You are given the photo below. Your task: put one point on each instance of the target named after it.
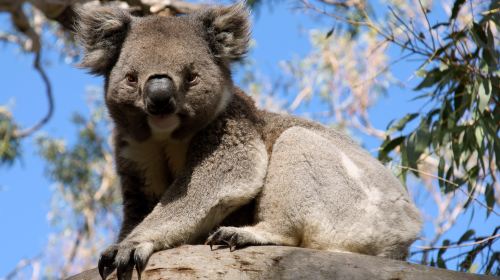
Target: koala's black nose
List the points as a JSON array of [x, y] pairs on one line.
[[159, 95]]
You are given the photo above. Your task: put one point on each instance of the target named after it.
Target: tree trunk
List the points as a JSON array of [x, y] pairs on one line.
[[274, 262]]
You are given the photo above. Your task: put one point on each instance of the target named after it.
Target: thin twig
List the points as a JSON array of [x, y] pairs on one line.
[[408, 28], [308, 5], [453, 183], [383, 70], [12, 38], [459, 245], [428, 24], [369, 24]]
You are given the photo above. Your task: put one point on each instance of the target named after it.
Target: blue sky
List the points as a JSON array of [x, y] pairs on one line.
[[24, 189]]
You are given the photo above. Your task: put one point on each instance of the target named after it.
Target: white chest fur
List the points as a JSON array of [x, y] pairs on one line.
[[157, 159]]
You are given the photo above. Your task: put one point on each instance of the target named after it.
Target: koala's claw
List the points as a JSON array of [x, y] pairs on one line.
[[124, 257], [216, 239], [230, 236], [106, 263], [125, 272], [124, 261]]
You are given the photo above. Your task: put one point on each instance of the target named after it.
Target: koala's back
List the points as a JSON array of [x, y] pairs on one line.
[[331, 193]]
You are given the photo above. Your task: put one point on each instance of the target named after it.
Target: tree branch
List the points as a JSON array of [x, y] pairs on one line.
[[48, 92], [460, 245], [276, 262]]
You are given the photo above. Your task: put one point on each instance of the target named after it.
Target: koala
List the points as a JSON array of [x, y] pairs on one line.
[[198, 162]]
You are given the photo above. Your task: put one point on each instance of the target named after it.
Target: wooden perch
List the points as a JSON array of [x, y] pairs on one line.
[[274, 262]]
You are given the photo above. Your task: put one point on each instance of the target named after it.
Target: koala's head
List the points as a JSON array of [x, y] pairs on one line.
[[164, 75]]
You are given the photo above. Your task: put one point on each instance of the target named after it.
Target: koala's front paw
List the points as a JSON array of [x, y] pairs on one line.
[[124, 256]]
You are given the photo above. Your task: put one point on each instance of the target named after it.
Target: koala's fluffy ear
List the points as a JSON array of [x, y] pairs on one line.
[[228, 30], [101, 30]]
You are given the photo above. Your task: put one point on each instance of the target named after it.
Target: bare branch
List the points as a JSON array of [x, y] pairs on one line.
[[74, 250], [21, 265], [48, 92], [12, 38], [429, 28]]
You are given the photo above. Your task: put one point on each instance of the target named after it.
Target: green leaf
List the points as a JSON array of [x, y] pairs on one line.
[[420, 73], [491, 46], [479, 134], [455, 147], [484, 95], [400, 125], [456, 8], [390, 145], [430, 79], [441, 166], [458, 97], [495, 257], [469, 259], [422, 96], [440, 261], [473, 173], [431, 114], [439, 24], [422, 137], [479, 35], [466, 236], [489, 194], [442, 66], [449, 178], [329, 33], [411, 152], [496, 146]]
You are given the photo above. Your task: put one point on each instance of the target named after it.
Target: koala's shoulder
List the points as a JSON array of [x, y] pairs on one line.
[[243, 106]]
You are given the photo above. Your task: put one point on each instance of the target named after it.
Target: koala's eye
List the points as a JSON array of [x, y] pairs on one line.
[[192, 78], [131, 79]]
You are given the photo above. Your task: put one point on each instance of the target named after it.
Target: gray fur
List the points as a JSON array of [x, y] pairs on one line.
[[228, 30], [101, 30], [217, 164]]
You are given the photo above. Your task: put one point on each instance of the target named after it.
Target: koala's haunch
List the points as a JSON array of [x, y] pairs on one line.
[[195, 156]]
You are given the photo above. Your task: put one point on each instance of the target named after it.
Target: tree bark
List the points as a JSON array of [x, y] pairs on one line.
[[275, 262]]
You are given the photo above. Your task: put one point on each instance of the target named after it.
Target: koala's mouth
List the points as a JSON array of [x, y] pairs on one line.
[[163, 122]]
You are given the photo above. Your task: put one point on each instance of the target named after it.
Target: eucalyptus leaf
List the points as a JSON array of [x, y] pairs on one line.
[[483, 95], [489, 194], [400, 125], [466, 236], [456, 8], [431, 78]]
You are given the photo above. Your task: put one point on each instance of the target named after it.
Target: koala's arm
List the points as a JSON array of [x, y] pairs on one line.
[[223, 173], [220, 182], [135, 203]]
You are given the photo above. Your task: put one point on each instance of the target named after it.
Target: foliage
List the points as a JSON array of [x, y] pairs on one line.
[[9, 143], [454, 137], [459, 126], [462, 86], [86, 196]]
